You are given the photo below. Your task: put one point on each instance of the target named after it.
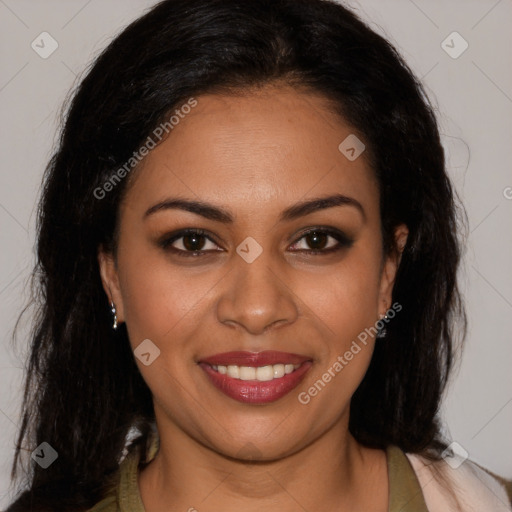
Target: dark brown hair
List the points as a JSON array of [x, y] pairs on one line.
[[83, 389]]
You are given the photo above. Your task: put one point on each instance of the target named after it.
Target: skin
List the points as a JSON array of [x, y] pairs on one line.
[[254, 155]]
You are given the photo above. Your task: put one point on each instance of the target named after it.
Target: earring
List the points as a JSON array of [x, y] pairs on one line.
[[113, 311], [381, 333]]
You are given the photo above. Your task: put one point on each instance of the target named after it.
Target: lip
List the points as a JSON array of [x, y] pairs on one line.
[[255, 391], [242, 358]]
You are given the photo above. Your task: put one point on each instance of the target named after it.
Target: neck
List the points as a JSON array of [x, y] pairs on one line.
[[334, 471]]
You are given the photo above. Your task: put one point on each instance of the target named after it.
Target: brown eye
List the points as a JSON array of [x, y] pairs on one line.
[[189, 242], [316, 239], [193, 242], [321, 241]]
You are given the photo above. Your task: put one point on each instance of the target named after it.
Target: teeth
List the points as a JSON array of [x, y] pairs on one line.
[[261, 373], [278, 371], [234, 371]]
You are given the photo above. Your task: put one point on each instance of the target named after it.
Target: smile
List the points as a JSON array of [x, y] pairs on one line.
[[260, 373], [252, 382]]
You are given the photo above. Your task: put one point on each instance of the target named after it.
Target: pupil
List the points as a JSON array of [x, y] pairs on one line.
[[191, 242], [316, 240]]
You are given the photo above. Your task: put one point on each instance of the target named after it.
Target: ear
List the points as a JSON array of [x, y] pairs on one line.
[[110, 280], [390, 268]]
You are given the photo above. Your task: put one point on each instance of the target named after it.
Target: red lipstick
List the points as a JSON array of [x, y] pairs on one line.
[[255, 391]]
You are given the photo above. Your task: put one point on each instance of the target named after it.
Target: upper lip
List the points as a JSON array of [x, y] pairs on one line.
[[241, 358]]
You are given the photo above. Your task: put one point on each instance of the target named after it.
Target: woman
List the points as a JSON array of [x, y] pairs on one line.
[[247, 256]]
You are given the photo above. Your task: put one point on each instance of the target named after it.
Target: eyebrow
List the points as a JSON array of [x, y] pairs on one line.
[[212, 212]]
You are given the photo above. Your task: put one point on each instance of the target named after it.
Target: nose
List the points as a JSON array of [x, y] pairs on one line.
[[256, 297]]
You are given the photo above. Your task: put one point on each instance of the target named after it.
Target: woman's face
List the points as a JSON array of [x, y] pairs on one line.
[[253, 281]]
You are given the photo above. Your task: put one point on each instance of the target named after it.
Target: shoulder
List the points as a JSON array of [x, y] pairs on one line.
[[463, 485], [124, 494], [108, 504], [109, 501], [27, 503]]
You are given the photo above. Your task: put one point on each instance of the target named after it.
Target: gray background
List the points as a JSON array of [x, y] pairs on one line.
[[473, 94]]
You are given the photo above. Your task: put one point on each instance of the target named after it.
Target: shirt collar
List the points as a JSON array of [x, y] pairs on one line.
[[405, 494]]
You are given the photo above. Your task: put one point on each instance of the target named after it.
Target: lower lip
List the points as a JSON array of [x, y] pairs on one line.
[[254, 391]]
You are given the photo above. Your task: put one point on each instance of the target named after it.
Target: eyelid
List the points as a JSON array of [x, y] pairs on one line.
[[166, 241], [343, 241], [324, 229], [342, 238]]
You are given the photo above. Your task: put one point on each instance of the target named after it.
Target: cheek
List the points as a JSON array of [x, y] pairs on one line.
[[346, 296], [346, 302], [158, 296]]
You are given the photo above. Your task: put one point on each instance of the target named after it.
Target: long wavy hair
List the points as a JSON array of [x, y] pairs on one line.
[[83, 390]]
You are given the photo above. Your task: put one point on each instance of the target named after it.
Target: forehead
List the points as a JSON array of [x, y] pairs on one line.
[[261, 149]]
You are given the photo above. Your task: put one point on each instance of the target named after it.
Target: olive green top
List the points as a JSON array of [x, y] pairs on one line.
[[405, 493]]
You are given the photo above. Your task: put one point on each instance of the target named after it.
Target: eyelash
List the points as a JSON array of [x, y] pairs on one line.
[[343, 242]]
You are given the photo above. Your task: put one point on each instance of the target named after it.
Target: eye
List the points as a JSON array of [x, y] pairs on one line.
[[189, 242], [321, 241], [195, 242]]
